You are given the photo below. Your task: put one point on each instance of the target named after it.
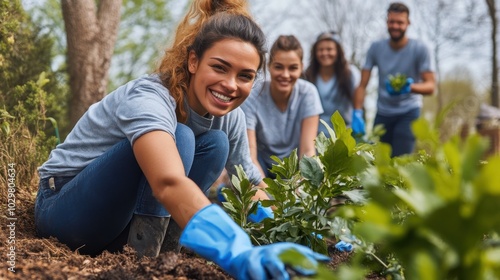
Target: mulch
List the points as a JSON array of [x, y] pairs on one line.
[[40, 258]]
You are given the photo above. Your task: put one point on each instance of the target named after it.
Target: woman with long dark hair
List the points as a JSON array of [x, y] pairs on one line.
[[333, 76]]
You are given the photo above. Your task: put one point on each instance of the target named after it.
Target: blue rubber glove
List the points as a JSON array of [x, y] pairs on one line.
[[358, 123], [261, 214], [317, 235], [212, 234], [343, 246], [220, 196], [404, 90]]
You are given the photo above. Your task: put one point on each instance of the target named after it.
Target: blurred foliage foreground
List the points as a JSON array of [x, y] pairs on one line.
[[429, 215]]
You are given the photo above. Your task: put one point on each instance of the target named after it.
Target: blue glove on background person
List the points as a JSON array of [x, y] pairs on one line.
[[404, 90], [212, 234], [220, 196], [358, 123], [343, 246], [261, 214]]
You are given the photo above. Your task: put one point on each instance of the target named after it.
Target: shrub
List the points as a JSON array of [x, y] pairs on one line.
[[26, 137], [429, 215]]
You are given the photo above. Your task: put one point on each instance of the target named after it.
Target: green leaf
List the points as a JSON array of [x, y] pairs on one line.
[[486, 217], [377, 224], [474, 151], [333, 136], [356, 196], [311, 170], [42, 80], [420, 196], [294, 258], [6, 128], [423, 266], [492, 256], [338, 124], [322, 143], [346, 272], [454, 229], [427, 137], [489, 177]]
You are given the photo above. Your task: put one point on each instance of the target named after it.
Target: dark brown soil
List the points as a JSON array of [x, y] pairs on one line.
[[37, 258]]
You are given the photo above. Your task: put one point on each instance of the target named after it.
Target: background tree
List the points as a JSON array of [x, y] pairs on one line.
[[91, 32], [461, 102], [492, 12], [25, 53], [450, 26], [143, 32], [145, 29]]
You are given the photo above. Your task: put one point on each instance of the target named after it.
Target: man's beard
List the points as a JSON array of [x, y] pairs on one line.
[[397, 38]]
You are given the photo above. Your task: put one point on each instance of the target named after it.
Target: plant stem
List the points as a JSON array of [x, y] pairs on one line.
[[378, 259]]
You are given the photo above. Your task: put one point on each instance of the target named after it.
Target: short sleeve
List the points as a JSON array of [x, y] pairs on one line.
[[370, 58], [248, 108], [355, 77], [312, 102], [424, 61], [146, 108], [239, 151]]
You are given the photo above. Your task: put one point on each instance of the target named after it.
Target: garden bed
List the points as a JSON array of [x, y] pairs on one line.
[[37, 258]]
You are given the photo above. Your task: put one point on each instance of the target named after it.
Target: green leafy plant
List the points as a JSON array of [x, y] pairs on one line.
[[449, 196], [397, 81], [304, 191], [430, 215], [22, 138]]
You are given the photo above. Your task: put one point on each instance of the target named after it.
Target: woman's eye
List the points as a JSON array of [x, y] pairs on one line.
[[247, 77], [218, 68]]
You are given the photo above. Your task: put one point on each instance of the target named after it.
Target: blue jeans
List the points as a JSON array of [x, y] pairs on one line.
[[398, 131], [92, 209]]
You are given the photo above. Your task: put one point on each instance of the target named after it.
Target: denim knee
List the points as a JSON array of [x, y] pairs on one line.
[[185, 142], [216, 143], [212, 150]]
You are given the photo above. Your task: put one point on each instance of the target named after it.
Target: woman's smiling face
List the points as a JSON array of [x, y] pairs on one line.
[[285, 68], [326, 53], [223, 77]]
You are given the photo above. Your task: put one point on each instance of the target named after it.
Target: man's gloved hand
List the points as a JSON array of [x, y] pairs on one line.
[[212, 234], [261, 214], [358, 123], [405, 89]]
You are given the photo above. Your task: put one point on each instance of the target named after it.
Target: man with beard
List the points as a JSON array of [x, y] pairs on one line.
[[398, 105]]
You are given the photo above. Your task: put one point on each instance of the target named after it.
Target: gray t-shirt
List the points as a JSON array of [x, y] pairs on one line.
[[412, 60], [277, 132], [333, 100], [138, 107]]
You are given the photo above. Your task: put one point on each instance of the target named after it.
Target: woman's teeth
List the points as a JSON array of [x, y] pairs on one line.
[[221, 97]]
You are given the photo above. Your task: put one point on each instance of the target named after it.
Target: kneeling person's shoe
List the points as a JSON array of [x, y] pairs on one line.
[[146, 234]]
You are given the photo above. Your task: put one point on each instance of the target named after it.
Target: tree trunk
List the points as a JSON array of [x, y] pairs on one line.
[[494, 71], [91, 34]]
